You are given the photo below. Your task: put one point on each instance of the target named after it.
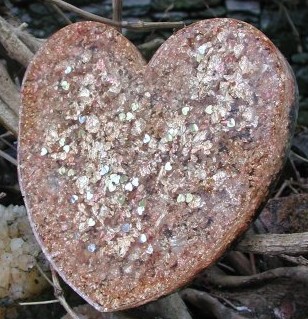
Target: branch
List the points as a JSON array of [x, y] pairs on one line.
[[15, 48], [275, 244], [8, 118], [139, 25], [8, 90], [169, 307], [117, 12], [29, 40], [205, 301], [216, 277], [59, 294]]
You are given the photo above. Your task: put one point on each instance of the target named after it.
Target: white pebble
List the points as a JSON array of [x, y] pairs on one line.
[[180, 198], [62, 141], [82, 119], [91, 248], [44, 151], [111, 187], [129, 187], [189, 197], [16, 243], [104, 170], [74, 199], [135, 181], [168, 166], [65, 85], [194, 127], [146, 139], [91, 222], [135, 106], [125, 228], [185, 110], [143, 238], [209, 109], [202, 48], [115, 178], [89, 195], [66, 148], [150, 250], [68, 70], [129, 116], [140, 210], [122, 117], [231, 122]]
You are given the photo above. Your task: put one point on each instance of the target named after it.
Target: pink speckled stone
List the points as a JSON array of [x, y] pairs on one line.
[[136, 177]]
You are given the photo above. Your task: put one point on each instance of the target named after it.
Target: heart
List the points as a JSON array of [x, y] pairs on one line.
[[136, 177]]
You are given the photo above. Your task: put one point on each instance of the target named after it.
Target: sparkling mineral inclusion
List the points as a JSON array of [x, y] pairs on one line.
[[136, 177]]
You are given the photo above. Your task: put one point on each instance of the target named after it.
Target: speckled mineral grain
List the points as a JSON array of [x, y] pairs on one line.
[[135, 176]]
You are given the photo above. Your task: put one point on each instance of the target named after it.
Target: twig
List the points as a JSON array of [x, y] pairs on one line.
[[61, 14], [285, 184], [43, 274], [8, 118], [297, 174], [216, 277], [59, 294], [298, 260], [117, 12], [299, 157], [239, 262], [8, 90], [292, 25], [169, 307], [15, 48], [203, 300], [8, 157], [138, 25], [275, 244], [34, 303], [29, 40]]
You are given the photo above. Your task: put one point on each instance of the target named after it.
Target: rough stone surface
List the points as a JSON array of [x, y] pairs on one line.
[[137, 177], [19, 252]]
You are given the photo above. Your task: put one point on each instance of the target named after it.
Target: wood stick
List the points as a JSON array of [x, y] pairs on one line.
[[205, 301], [216, 277], [275, 244], [117, 12], [8, 90], [15, 48], [138, 25], [28, 39], [8, 118]]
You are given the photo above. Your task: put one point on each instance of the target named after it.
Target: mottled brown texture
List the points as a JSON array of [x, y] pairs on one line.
[[285, 215], [137, 177]]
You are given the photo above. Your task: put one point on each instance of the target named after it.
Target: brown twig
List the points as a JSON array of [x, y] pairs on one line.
[[216, 277], [298, 260], [15, 48], [138, 25], [169, 307], [8, 157], [8, 118], [117, 12], [35, 303], [8, 90], [275, 244], [59, 294], [203, 300], [29, 40], [61, 14]]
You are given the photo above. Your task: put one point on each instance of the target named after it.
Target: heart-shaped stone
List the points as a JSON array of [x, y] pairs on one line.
[[136, 177]]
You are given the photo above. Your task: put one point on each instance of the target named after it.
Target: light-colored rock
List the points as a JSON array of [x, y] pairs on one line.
[[19, 277]]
